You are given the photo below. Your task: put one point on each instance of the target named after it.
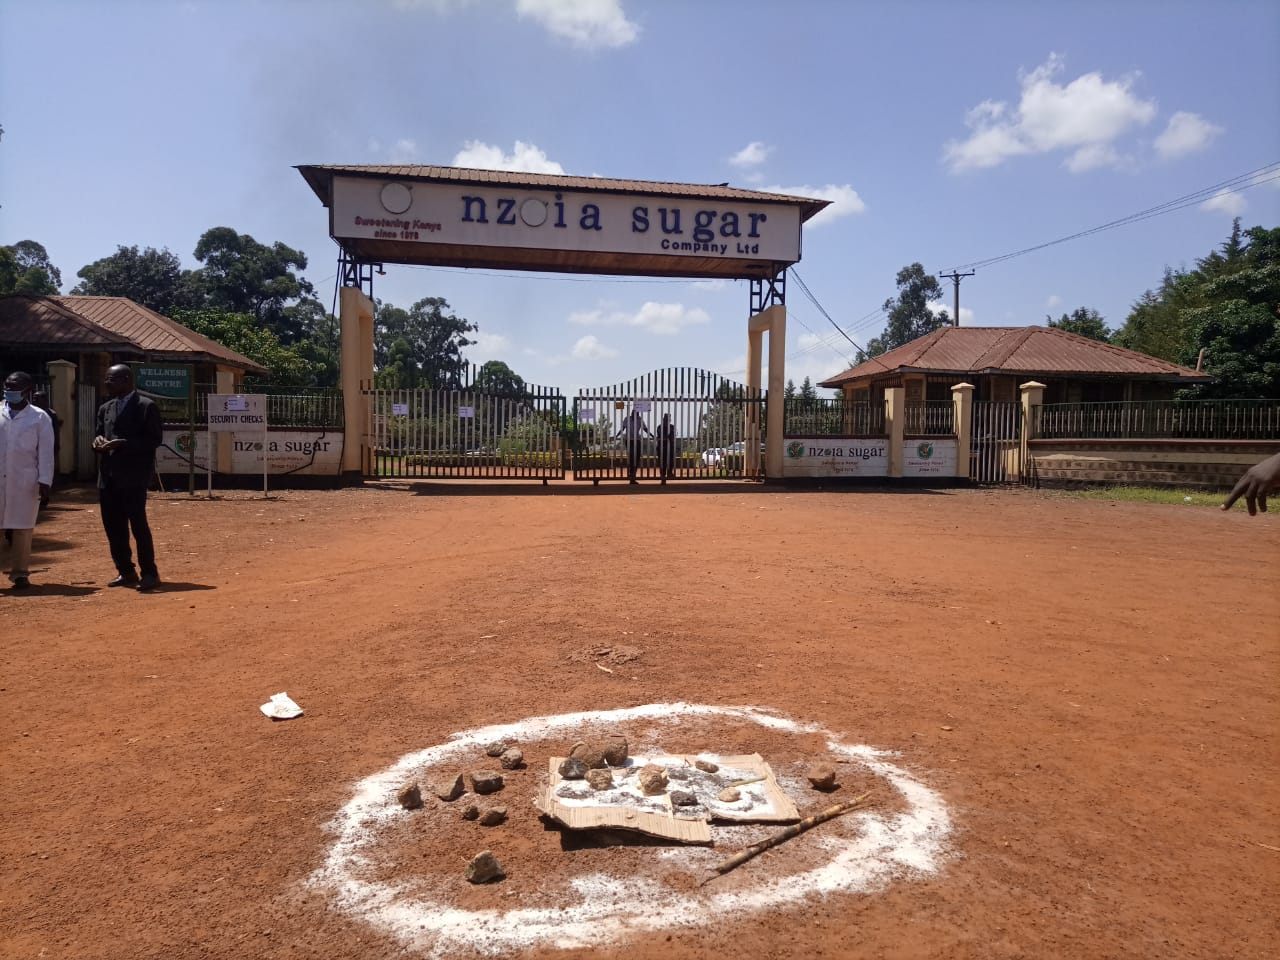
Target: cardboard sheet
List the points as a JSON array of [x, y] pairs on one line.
[[624, 807]]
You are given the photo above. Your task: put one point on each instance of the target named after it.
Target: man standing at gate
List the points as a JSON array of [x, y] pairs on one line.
[[632, 428], [26, 470], [666, 448], [129, 432]]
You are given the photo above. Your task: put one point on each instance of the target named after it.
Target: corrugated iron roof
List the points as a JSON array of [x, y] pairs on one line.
[[155, 333], [1022, 350], [42, 323], [319, 176]]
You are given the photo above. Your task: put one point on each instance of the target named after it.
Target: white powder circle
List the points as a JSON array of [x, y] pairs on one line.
[[605, 907]]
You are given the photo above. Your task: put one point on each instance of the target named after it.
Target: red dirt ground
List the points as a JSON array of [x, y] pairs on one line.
[[1109, 674]]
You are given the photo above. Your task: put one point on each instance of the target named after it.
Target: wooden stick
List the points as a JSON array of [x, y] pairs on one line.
[[808, 823]]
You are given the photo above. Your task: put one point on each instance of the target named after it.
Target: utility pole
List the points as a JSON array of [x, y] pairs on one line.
[[955, 278]]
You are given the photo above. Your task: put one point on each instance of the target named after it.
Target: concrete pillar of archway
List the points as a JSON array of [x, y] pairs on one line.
[[772, 320], [355, 319], [895, 422]]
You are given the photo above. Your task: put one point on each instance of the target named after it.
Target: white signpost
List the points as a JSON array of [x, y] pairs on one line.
[[238, 413]]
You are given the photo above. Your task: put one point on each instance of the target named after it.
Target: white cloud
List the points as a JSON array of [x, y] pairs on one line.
[[1053, 301], [1085, 116], [844, 201], [404, 151], [659, 318], [966, 315], [751, 155], [589, 24], [491, 345], [1093, 156], [1229, 202], [710, 286], [1186, 133], [589, 348], [524, 158]]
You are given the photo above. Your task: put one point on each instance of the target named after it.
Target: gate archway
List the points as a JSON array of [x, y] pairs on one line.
[[715, 428]]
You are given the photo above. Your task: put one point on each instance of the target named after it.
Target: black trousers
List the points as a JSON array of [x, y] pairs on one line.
[[122, 509]]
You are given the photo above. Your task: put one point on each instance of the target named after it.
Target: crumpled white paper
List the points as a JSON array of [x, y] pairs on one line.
[[281, 707]]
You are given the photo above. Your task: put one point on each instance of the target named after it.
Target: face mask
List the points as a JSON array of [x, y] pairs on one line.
[[14, 396]]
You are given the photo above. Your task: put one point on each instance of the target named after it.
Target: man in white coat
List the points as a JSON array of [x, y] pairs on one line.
[[26, 469]]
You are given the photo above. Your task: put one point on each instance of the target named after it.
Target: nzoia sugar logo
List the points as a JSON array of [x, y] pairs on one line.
[[924, 450], [795, 449]]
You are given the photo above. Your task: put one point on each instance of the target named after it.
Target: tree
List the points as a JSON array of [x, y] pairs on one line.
[[1229, 306], [789, 391], [427, 342], [151, 277], [909, 316], [25, 268], [496, 377], [1238, 326], [241, 275], [243, 334], [723, 421], [1083, 321], [808, 391]]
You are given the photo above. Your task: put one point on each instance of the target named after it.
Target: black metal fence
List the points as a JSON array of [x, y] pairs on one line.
[[832, 417], [1160, 419], [471, 431], [714, 428], [930, 419], [319, 408]]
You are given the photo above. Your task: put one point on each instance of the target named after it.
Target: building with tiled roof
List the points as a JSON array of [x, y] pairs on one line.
[[996, 360]]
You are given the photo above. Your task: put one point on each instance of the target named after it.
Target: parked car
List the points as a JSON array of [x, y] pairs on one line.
[[712, 456]]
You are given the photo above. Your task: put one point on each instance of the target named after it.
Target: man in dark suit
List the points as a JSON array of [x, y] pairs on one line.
[[129, 432]]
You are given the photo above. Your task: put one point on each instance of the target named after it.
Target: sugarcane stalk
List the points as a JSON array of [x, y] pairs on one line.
[[808, 823]]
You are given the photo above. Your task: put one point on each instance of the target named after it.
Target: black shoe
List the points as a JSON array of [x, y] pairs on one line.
[[149, 581], [124, 580], [21, 583]]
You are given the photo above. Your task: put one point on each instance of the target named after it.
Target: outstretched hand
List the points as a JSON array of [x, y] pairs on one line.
[[1258, 481]]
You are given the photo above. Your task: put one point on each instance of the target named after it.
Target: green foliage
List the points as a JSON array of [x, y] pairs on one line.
[[242, 333], [909, 315], [421, 346], [241, 275], [808, 391], [1229, 306], [496, 377], [1084, 322], [151, 277], [25, 268]]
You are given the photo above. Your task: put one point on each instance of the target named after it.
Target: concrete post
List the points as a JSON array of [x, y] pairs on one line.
[[62, 398], [355, 318], [895, 421], [224, 381], [962, 403], [755, 354], [1032, 397], [773, 320]]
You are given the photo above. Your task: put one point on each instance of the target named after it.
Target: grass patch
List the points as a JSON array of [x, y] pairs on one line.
[[1187, 497]]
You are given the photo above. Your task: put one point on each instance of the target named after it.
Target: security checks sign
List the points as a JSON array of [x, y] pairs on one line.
[[479, 215], [238, 413]]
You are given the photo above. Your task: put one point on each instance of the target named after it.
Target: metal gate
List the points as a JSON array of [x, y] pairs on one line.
[[475, 429], [679, 423], [86, 423], [995, 452]]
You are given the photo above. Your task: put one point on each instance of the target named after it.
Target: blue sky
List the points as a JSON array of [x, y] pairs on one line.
[[946, 133]]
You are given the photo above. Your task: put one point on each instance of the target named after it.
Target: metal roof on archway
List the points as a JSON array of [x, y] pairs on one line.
[[452, 216]]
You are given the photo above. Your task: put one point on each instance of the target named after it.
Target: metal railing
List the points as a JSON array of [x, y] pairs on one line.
[[287, 406], [832, 417], [935, 418], [1160, 419]]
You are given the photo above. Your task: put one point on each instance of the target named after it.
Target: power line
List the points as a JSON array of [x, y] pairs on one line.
[[1232, 185], [814, 300]]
